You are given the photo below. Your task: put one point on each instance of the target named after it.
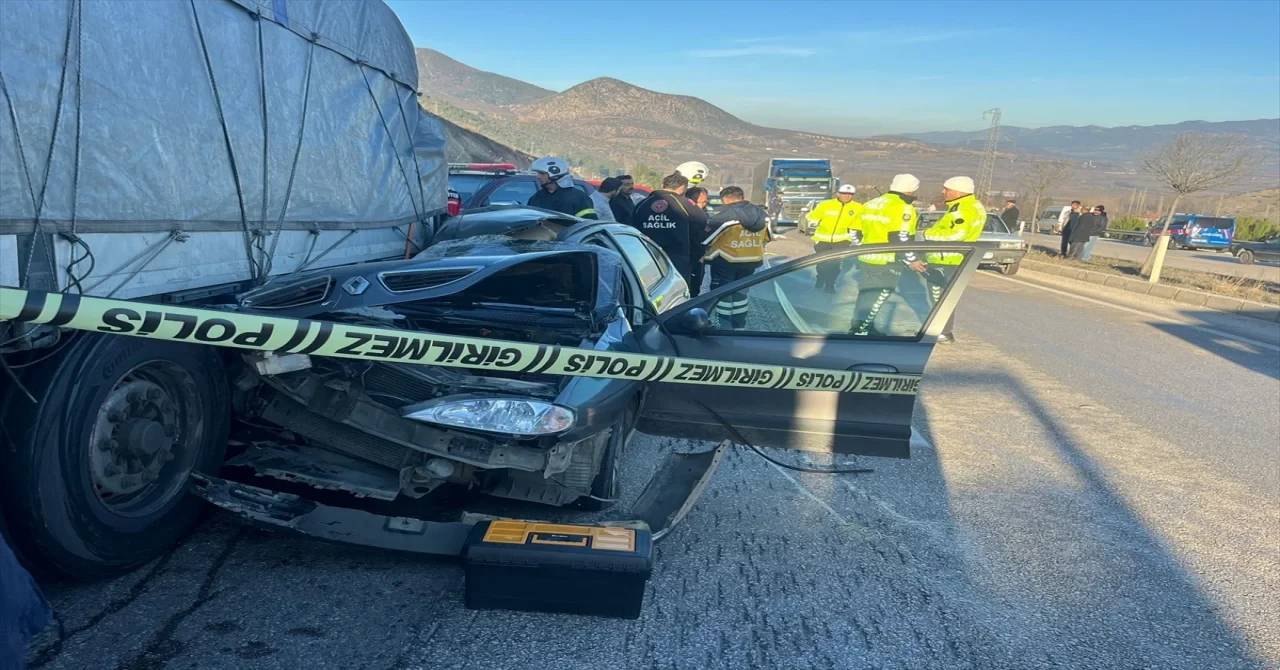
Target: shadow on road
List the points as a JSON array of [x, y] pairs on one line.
[[1074, 560], [1246, 355]]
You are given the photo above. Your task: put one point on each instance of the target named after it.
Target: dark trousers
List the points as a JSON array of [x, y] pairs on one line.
[[1066, 238], [935, 293], [876, 283], [732, 307], [829, 271]]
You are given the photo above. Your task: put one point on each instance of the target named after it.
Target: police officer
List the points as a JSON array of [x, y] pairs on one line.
[[963, 221], [888, 219], [735, 249], [675, 224], [831, 220], [558, 192]]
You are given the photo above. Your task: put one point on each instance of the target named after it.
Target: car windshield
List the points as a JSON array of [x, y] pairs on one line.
[[995, 225], [467, 184]]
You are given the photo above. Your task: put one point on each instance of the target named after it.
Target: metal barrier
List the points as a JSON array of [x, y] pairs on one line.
[[1114, 233]]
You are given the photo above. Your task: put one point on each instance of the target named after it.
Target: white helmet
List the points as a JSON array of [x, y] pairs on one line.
[[695, 171], [847, 188], [555, 168]]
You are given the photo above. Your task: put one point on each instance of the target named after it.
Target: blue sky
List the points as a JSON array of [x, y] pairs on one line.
[[855, 68]]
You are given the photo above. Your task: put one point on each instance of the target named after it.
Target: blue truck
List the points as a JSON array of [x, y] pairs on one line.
[[800, 181], [1195, 231]]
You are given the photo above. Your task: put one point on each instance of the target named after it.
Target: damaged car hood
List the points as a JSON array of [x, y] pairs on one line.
[[487, 269]]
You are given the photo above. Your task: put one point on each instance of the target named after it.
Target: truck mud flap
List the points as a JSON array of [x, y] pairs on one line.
[[284, 511], [675, 487]]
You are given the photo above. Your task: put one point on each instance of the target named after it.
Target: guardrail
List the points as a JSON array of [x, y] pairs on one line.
[[1134, 234]]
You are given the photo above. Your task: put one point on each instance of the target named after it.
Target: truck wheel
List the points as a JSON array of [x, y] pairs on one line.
[[1010, 269], [95, 475], [1246, 257]]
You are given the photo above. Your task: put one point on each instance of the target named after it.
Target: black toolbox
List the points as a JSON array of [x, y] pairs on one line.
[[543, 567]]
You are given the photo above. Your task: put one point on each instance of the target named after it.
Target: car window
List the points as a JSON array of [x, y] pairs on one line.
[[868, 299], [467, 185], [642, 259], [514, 190], [995, 225]]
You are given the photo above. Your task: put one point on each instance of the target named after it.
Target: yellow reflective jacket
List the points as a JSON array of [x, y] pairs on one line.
[[833, 219], [886, 219], [964, 222]]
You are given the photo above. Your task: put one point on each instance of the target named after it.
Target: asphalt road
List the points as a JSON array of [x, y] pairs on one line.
[[1217, 262], [1094, 488]]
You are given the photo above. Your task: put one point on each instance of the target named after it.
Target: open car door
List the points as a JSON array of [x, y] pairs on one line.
[[881, 317]]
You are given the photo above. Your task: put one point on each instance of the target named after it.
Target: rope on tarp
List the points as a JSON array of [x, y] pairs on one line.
[[226, 138], [74, 280], [391, 138], [151, 253], [417, 167], [297, 155], [264, 261]]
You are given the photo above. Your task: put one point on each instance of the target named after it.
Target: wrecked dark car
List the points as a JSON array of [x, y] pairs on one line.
[[383, 430]]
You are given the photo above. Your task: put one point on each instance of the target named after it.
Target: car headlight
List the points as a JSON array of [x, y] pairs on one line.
[[1010, 245], [511, 416]]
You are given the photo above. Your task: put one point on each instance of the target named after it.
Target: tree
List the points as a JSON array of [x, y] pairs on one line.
[[1193, 162], [646, 176], [1041, 176]]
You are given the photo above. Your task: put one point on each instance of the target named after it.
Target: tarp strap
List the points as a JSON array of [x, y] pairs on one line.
[[297, 154], [391, 138], [226, 138], [265, 262], [154, 251]]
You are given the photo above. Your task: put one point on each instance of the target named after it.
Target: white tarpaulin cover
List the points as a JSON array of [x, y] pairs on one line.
[[240, 116]]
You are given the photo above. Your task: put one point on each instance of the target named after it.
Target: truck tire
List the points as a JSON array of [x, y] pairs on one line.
[[93, 478]]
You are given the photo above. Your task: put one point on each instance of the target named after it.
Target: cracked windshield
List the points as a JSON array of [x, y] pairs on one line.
[[401, 335]]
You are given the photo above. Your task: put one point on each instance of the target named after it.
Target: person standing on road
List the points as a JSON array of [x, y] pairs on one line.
[[699, 197], [1100, 224], [621, 204], [888, 219], [674, 224], [1080, 231], [831, 221], [1010, 215], [735, 249], [1067, 220], [963, 221], [558, 192], [603, 196]]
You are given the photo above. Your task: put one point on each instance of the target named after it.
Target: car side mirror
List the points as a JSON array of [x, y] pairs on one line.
[[695, 322]]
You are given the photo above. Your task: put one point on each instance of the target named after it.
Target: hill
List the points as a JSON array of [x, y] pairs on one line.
[[439, 75], [1114, 145], [1264, 203], [465, 146]]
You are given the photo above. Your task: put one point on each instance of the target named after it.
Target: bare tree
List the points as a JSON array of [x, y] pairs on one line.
[[1193, 162], [1041, 176]]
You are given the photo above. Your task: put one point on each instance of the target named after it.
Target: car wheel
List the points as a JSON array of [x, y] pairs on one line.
[[605, 487], [1010, 269], [95, 475], [1246, 257]]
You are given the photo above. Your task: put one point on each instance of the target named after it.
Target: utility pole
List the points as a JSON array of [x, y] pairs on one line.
[[987, 169]]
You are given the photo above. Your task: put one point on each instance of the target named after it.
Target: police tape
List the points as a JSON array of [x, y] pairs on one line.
[[341, 340]]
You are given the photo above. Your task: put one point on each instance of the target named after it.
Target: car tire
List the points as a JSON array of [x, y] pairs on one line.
[[1011, 269], [163, 409], [1246, 257], [605, 488]]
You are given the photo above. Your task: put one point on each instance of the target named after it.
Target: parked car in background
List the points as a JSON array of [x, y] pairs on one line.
[[483, 184], [1267, 251], [1047, 222], [1195, 231], [1006, 253]]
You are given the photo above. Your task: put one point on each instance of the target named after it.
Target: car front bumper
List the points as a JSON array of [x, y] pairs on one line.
[[1003, 256]]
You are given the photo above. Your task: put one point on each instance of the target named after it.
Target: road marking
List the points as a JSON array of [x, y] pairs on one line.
[[1131, 310]]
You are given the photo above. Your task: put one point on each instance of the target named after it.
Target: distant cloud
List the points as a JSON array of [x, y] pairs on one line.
[[758, 50], [755, 40], [921, 37]]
